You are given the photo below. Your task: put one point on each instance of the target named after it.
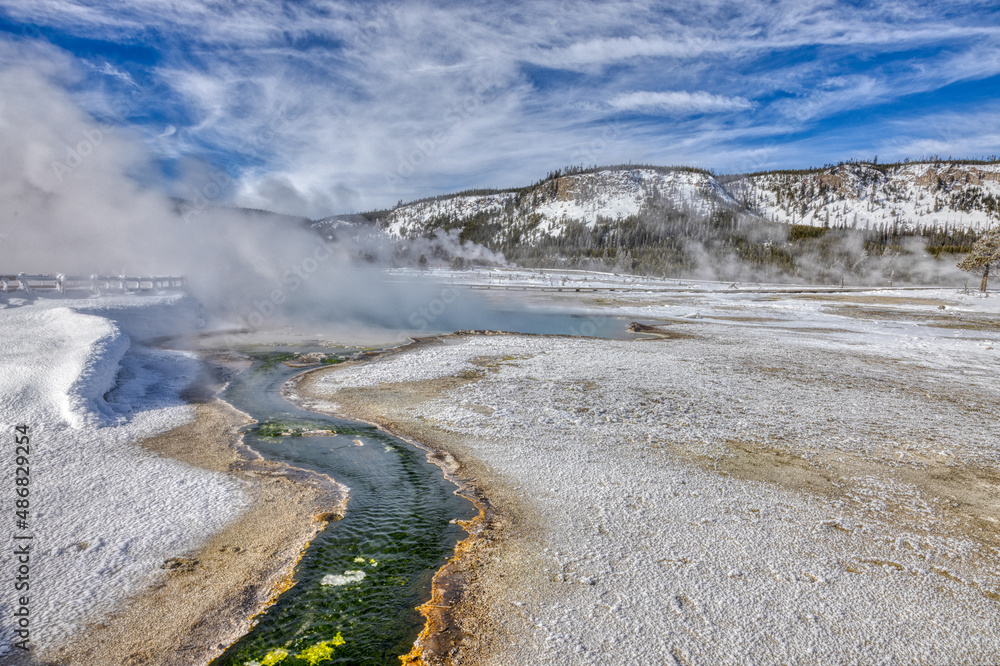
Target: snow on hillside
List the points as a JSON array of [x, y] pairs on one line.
[[928, 195], [410, 219], [857, 195], [104, 513], [609, 193], [615, 194]]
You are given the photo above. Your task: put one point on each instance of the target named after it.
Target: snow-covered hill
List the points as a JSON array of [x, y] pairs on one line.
[[550, 207], [913, 196], [685, 221], [412, 219]]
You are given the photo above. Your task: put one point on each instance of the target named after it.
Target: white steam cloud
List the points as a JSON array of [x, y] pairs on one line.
[[74, 203]]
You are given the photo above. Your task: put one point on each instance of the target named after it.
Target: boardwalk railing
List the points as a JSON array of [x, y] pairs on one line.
[[94, 284]]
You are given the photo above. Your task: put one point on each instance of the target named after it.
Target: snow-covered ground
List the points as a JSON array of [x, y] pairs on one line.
[[568, 280], [793, 480], [513, 277], [104, 514]]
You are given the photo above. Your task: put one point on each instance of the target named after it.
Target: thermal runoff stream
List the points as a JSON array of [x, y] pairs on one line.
[[363, 576], [359, 583]]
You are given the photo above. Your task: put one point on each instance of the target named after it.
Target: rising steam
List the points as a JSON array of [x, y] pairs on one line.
[[73, 203]]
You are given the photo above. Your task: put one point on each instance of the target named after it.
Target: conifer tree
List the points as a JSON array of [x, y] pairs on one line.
[[985, 254]]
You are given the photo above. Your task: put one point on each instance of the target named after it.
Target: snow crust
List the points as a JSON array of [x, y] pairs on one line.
[[104, 513], [649, 556], [95, 373], [437, 362]]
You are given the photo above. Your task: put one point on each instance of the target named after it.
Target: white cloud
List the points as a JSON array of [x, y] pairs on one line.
[[331, 107], [679, 102], [108, 69], [957, 133], [604, 51], [834, 95]]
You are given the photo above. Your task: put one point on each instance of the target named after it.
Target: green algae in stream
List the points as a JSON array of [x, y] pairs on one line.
[[270, 360], [285, 428], [278, 428], [374, 614], [312, 655], [397, 531], [274, 656]]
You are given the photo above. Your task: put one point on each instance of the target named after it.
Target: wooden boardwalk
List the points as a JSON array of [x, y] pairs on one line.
[[93, 284]]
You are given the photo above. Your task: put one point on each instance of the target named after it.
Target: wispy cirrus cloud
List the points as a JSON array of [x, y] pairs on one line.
[[834, 95], [617, 49], [955, 133], [678, 102], [320, 107]]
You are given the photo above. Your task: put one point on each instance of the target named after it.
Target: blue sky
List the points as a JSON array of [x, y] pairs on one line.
[[321, 107]]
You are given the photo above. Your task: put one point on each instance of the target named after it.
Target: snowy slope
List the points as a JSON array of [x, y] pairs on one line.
[[615, 194], [961, 196], [104, 513], [917, 195], [409, 220], [550, 206]]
